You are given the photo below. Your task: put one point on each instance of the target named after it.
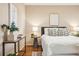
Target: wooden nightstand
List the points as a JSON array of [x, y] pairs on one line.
[[35, 42]]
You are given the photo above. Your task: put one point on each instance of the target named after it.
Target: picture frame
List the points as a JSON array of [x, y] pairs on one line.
[[54, 19]]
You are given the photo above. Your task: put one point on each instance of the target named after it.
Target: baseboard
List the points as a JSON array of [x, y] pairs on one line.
[[32, 45]]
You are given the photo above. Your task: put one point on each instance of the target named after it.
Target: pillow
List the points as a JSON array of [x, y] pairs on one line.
[[63, 32], [58, 32], [53, 32], [46, 31]]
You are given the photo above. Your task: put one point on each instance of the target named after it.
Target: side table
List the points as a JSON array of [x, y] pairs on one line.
[[14, 42]]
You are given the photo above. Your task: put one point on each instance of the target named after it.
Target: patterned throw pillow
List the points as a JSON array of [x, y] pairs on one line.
[[53, 32], [63, 32], [58, 32]]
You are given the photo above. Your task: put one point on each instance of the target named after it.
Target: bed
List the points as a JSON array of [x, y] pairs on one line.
[[58, 43]]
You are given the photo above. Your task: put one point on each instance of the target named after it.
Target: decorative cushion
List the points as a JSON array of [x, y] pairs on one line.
[[58, 32], [53, 32], [63, 32]]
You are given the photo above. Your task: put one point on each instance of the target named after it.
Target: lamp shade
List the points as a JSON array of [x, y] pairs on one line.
[[35, 29], [76, 28]]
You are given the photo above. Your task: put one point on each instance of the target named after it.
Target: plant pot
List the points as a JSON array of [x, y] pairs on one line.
[[15, 35], [11, 36]]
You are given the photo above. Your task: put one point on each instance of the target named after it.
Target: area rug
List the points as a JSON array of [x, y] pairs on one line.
[[36, 53]]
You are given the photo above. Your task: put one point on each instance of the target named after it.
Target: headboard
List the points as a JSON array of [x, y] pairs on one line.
[[42, 28]]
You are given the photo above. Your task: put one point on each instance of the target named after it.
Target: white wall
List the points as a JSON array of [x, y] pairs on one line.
[[3, 20], [38, 15]]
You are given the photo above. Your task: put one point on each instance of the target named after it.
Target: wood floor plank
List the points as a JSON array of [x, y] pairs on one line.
[[29, 50]]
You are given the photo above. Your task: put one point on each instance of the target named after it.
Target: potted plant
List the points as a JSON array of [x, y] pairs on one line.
[[5, 29], [4, 25], [12, 29]]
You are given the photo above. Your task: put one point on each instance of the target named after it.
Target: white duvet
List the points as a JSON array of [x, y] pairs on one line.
[[55, 45]]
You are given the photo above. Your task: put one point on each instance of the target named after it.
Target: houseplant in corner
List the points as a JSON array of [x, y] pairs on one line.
[[12, 29]]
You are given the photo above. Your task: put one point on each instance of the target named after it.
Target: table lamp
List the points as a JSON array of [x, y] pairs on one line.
[[35, 30], [76, 28], [76, 31]]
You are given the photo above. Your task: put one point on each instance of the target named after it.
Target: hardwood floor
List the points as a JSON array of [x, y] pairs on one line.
[[31, 51]]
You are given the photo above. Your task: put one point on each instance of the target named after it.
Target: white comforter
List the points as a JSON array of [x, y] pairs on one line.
[[53, 45]]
